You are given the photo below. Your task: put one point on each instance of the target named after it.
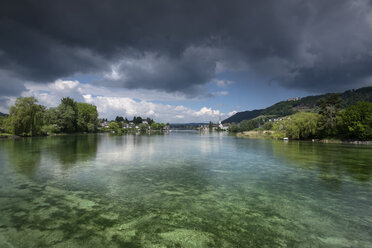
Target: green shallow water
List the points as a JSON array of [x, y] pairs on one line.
[[183, 190]]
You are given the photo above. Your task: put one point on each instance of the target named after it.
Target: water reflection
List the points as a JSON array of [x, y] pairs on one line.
[[331, 161], [27, 155], [71, 149], [24, 154]]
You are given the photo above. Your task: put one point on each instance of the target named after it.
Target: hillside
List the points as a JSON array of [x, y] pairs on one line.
[[246, 115], [2, 114], [284, 108]]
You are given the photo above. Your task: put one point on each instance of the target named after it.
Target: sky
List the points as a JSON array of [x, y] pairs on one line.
[[182, 61]]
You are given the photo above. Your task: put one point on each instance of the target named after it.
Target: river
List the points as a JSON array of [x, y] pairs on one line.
[[183, 189]]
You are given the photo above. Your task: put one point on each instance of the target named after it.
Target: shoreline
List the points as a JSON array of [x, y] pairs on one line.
[[267, 134]]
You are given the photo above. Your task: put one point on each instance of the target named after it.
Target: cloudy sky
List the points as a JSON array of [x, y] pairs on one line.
[[182, 60]]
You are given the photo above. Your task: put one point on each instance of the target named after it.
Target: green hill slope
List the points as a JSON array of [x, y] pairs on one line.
[[284, 108], [245, 115]]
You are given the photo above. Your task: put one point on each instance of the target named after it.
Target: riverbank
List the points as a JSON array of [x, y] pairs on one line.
[[7, 136], [152, 132], [269, 134]]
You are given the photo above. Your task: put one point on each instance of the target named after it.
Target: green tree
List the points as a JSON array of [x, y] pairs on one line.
[[25, 117], [154, 126], [119, 118], [114, 126], [268, 125], [328, 109], [302, 125], [137, 120], [51, 116], [234, 128], [143, 127], [87, 120], [248, 125], [2, 123], [149, 121], [67, 115], [356, 121]]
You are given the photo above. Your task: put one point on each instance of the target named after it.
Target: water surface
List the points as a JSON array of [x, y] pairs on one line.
[[183, 190]]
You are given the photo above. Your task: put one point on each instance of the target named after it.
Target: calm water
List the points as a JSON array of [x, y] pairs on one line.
[[183, 190]]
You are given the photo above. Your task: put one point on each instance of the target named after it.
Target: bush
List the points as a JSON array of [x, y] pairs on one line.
[[356, 122], [302, 125], [50, 129], [268, 125]]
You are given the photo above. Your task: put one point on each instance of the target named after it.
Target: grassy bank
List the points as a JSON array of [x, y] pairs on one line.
[[269, 134]]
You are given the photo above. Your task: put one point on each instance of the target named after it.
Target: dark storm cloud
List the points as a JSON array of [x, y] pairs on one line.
[[179, 45], [9, 84]]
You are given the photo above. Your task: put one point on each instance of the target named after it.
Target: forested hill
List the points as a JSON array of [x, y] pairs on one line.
[[284, 108], [2, 114], [245, 115]]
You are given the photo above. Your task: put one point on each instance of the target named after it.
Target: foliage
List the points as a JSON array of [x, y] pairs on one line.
[[149, 121], [25, 117], [268, 125], [137, 120], [302, 125], [328, 109], [248, 125], [2, 123], [50, 129], [285, 108], [67, 115], [157, 126], [51, 116], [245, 115], [143, 127], [119, 118], [356, 121], [234, 128], [87, 120], [28, 118], [113, 126]]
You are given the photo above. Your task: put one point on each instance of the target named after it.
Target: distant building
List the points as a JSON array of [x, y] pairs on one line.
[[105, 124], [222, 126], [293, 99]]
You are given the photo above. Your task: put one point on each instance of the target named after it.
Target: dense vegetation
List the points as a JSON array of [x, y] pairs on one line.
[[28, 118], [246, 115], [285, 108], [329, 120]]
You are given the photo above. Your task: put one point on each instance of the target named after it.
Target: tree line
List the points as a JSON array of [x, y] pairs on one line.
[[120, 125], [328, 120], [136, 120], [28, 118]]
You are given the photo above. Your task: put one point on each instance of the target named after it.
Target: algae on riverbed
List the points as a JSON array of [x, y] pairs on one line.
[[183, 190]]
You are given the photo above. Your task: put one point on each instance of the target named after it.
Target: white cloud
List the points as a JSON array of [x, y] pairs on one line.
[[232, 113], [62, 85], [222, 83], [110, 104]]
